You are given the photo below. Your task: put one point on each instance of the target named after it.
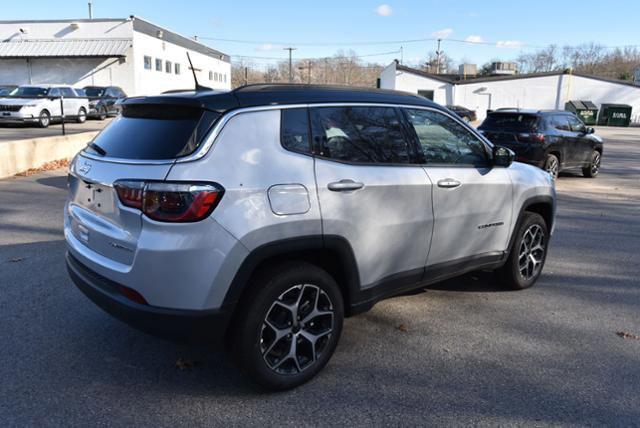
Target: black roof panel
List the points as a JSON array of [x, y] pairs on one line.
[[281, 94]]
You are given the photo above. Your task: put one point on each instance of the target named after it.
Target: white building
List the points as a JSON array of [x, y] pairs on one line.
[[140, 57], [533, 91]]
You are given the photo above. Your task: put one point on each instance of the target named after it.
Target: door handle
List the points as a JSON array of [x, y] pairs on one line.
[[449, 183], [345, 185]]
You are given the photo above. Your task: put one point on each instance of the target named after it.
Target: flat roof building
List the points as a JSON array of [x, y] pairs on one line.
[[540, 91], [140, 57]]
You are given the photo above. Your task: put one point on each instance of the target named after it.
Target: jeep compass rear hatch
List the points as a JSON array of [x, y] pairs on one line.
[[510, 128], [133, 153]]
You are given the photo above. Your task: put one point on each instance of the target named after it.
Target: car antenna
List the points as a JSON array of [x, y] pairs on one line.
[[195, 79]]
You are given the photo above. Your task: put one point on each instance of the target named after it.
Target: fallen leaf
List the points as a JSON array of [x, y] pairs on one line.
[[184, 364], [627, 335], [16, 259], [56, 164], [403, 328]]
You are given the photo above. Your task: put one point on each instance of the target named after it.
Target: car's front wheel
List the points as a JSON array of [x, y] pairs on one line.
[[102, 113], [289, 327], [528, 254], [592, 170], [44, 119]]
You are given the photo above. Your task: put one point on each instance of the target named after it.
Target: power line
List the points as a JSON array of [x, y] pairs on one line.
[[334, 57], [498, 44]]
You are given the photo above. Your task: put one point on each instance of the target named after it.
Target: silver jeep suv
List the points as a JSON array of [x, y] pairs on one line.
[[259, 218]]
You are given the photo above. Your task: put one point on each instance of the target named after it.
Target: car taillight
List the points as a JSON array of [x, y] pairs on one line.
[[538, 138], [170, 202]]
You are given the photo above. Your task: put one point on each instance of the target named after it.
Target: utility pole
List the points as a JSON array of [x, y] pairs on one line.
[[246, 76], [438, 57], [90, 10], [401, 54], [290, 63]]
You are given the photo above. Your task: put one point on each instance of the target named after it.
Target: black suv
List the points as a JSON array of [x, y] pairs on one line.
[[553, 140], [102, 100], [464, 113]]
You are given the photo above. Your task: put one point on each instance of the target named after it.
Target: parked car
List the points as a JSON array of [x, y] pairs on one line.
[[6, 90], [102, 100], [259, 218], [464, 113], [41, 105], [553, 140]]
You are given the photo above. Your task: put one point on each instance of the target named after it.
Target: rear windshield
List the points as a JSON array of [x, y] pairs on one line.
[[94, 91], [515, 122], [152, 132]]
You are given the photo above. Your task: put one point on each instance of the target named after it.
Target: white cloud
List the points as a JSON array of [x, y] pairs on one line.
[[384, 10], [442, 34], [509, 43], [267, 47], [474, 39]]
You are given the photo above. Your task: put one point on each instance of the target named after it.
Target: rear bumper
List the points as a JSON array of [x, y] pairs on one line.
[[188, 326]]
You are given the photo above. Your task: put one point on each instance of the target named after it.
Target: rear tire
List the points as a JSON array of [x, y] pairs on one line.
[[44, 119], [528, 254], [82, 115], [592, 170], [288, 327], [552, 165]]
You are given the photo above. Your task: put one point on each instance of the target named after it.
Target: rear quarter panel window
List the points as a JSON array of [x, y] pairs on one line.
[[294, 132]]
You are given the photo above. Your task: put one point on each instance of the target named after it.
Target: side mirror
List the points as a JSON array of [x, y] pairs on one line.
[[590, 130], [503, 156]]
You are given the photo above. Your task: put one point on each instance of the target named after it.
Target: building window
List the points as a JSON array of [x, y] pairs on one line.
[[225, 78], [211, 75], [215, 76], [147, 62], [168, 66], [158, 64], [177, 68]]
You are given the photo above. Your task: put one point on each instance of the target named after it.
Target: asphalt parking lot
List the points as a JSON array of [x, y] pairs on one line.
[[11, 132], [468, 353]]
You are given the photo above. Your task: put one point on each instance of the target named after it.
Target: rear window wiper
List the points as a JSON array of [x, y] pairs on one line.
[[97, 148]]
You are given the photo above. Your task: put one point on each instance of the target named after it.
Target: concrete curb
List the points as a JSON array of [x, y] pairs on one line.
[[21, 155]]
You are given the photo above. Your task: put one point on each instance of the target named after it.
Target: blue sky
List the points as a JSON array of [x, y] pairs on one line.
[[515, 25]]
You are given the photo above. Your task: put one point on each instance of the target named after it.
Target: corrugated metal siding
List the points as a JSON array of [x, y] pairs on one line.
[[64, 48]]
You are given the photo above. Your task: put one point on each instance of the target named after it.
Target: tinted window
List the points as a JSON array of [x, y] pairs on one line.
[[560, 122], [54, 92], [360, 134], [445, 141], [68, 92], [94, 91], [30, 91], [576, 124], [295, 130], [513, 122], [155, 132]]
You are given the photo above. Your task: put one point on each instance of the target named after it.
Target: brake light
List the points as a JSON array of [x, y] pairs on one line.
[[538, 138], [170, 202]]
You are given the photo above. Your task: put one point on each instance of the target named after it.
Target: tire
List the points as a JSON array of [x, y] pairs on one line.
[[593, 169], [44, 119], [528, 254], [552, 165], [265, 330], [82, 115], [102, 113]]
